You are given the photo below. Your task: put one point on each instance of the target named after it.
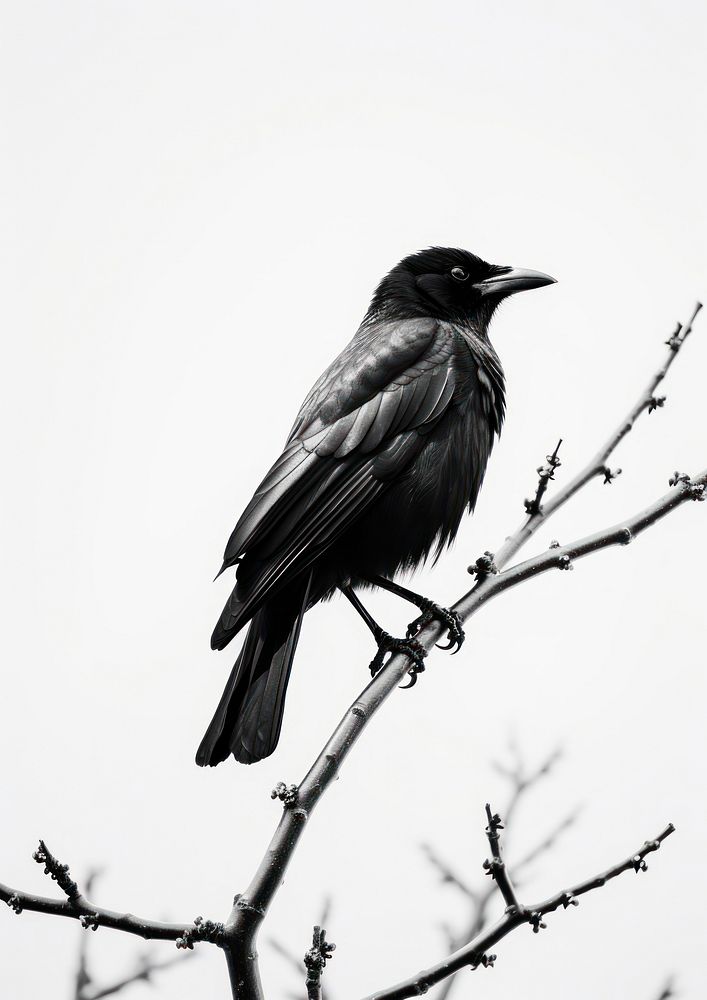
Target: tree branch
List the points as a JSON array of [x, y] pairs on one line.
[[297, 963], [315, 960], [77, 907], [668, 990], [448, 875], [561, 556], [521, 782], [83, 977], [597, 466], [545, 474], [251, 906], [546, 843], [496, 867], [143, 973], [85, 987], [475, 953]]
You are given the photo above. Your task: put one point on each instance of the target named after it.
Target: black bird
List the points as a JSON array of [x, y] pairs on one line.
[[388, 450]]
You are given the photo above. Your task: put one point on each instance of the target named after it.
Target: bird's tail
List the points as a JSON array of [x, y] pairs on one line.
[[249, 716]]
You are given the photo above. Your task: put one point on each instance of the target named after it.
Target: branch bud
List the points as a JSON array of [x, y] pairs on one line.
[[610, 475], [14, 903], [655, 402], [483, 567], [287, 794]]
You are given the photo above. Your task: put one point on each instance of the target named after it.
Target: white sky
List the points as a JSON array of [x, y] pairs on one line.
[[198, 199]]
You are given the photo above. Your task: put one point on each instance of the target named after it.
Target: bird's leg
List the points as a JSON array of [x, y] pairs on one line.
[[430, 612], [386, 643]]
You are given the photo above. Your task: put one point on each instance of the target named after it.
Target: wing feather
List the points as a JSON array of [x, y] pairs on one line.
[[365, 419], [389, 404], [361, 425], [335, 435], [443, 400]]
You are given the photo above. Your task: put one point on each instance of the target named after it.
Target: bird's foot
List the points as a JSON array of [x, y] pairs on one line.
[[450, 619], [409, 646]]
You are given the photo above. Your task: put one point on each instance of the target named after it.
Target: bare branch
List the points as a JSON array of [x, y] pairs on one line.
[[297, 963], [293, 961], [315, 961], [83, 977], [447, 874], [250, 907], [211, 931], [496, 867], [143, 973], [562, 556], [545, 474], [146, 968], [238, 936], [522, 781], [77, 907], [597, 465], [475, 953], [56, 871], [546, 844], [668, 990]]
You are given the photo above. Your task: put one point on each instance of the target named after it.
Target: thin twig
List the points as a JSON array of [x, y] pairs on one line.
[[296, 962], [562, 556], [597, 466], [522, 781], [476, 952], [668, 990], [83, 976], [147, 967], [77, 907], [447, 874], [315, 961], [495, 867], [545, 474], [544, 845], [142, 974]]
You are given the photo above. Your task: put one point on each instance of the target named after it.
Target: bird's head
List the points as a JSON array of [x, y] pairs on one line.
[[451, 284]]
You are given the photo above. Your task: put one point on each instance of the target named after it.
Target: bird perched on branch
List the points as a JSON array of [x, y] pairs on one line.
[[387, 452]]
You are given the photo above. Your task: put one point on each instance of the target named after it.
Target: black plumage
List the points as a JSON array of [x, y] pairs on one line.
[[387, 452]]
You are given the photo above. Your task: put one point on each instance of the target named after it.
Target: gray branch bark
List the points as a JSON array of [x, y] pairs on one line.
[[476, 952]]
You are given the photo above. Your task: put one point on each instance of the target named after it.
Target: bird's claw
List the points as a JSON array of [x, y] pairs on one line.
[[409, 647], [450, 619]]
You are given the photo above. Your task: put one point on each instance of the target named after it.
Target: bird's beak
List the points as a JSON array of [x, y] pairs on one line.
[[513, 279]]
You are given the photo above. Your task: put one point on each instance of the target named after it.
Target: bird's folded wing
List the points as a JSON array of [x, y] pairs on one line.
[[363, 422]]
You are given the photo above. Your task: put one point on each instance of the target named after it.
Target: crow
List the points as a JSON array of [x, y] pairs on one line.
[[387, 452]]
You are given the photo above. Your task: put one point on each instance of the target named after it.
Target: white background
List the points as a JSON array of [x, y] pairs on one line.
[[198, 200]]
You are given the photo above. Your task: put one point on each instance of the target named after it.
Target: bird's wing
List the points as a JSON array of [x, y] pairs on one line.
[[362, 423], [380, 353], [378, 384]]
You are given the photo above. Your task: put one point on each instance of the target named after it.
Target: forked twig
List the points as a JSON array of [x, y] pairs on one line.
[[522, 781], [476, 952]]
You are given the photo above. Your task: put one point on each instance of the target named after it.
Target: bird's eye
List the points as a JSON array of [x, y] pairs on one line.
[[459, 273]]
